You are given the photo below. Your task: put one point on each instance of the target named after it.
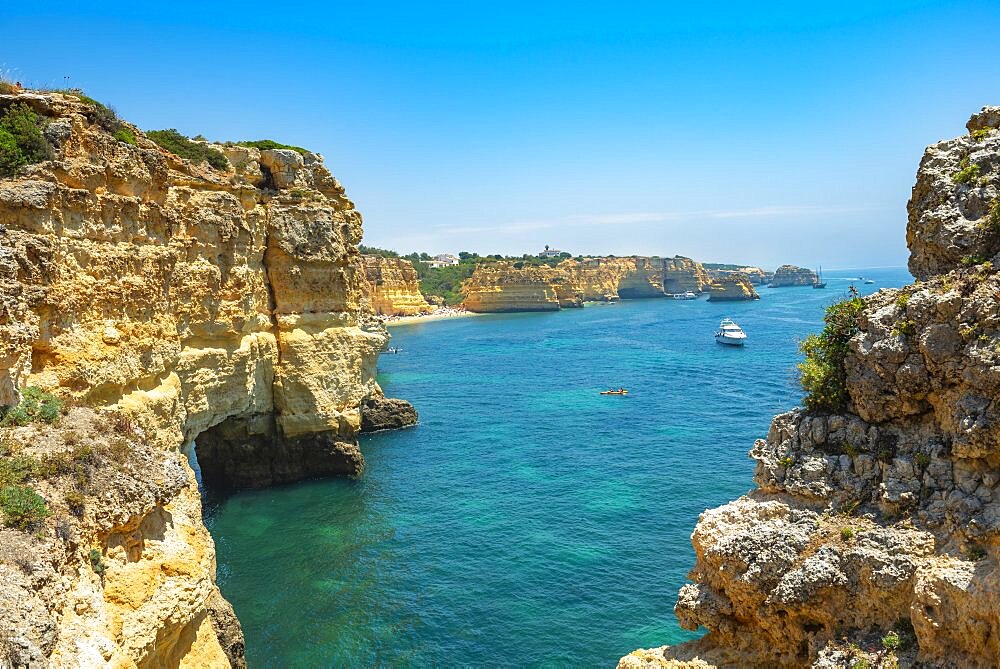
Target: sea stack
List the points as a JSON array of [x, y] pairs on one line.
[[790, 275]]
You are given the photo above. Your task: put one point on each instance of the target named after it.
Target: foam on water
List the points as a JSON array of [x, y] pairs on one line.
[[527, 520]]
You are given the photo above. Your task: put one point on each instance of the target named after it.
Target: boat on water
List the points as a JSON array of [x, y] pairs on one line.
[[392, 350], [730, 333], [620, 391], [819, 282], [869, 281], [684, 296]]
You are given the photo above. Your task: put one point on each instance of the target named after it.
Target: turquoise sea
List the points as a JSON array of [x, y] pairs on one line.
[[527, 520]]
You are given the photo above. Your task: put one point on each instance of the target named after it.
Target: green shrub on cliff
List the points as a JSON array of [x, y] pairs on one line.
[[179, 145], [36, 405], [22, 507], [968, 172], [822, 373], [267, 144], [21, 139]]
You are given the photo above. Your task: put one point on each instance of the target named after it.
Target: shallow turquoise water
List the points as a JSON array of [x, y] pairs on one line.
[[526, 520]]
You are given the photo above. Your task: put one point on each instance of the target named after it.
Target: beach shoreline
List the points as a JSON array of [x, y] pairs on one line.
[[438, 314]]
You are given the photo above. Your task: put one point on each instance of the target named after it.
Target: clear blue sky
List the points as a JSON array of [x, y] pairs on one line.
[[786, 132]]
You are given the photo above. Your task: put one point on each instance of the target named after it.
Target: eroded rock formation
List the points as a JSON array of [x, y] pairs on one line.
[[790, 275], [217, 306], [735, 287], [503, 286], [393, 287], [874, 534], [681, 275]]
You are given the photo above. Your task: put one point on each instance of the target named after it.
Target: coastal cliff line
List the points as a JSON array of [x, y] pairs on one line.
[[873, 536], [393, 287], [516, 286], [164, 303]]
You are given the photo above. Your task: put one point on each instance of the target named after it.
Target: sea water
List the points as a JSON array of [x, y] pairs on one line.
[[527, 519]]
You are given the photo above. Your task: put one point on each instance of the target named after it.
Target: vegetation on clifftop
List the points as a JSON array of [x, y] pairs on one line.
[[21, 139], [179, 145], [268, 144], [823, 376]]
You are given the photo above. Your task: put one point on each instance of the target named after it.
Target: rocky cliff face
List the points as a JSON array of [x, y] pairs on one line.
[[874, 534], [502, 287], [598, 279], [221, 307], [393, 287], [790, 275], [732, 288], [681, 275], [505, 287]]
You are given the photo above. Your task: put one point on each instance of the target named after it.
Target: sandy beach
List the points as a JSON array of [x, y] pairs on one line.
[[438, 314]]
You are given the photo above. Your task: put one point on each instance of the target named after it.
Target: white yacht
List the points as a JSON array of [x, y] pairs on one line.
[[684, 296], [730, 333]]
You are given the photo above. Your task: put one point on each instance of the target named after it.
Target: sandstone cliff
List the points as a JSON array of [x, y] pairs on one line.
[[503, 286], [216, 306], [790, 275], [393, 287], [732, 288], [874, 534], [598, 279], [682, 274]]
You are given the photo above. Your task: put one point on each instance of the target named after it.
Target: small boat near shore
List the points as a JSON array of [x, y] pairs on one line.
[[620, 391], [730, 333], [688, 295]]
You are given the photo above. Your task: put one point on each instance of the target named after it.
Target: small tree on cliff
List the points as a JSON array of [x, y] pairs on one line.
[[822, 373]]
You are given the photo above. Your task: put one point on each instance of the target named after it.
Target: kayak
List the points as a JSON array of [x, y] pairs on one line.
[[614, 392]]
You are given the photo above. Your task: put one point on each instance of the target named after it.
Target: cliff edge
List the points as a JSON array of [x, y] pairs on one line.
[[873, 536], [216, 303]]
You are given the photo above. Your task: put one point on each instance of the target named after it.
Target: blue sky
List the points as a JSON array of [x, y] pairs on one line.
[[785, 132]]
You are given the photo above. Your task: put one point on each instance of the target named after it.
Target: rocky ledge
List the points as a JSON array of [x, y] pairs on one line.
[[873, 537]]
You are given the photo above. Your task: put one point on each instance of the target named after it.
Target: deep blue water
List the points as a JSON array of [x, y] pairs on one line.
[[527, 520]]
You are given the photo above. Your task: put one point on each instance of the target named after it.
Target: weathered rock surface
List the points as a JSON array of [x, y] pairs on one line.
[[383, 413], [885, 516], [393, 287], [790, 275], [681, 275], [732, 288], [224, 308], [506, 286]]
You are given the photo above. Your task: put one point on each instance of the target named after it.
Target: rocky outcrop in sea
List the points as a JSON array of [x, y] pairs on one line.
[[790, 275], [734, 287], [166, 303], [873, 536]]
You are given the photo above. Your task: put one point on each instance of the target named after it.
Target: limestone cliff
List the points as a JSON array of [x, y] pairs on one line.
[[393, 287], [682, 274], [790, 275], [222, 307], [504, 286], [598, 279], [734, 287], [873, 537]]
